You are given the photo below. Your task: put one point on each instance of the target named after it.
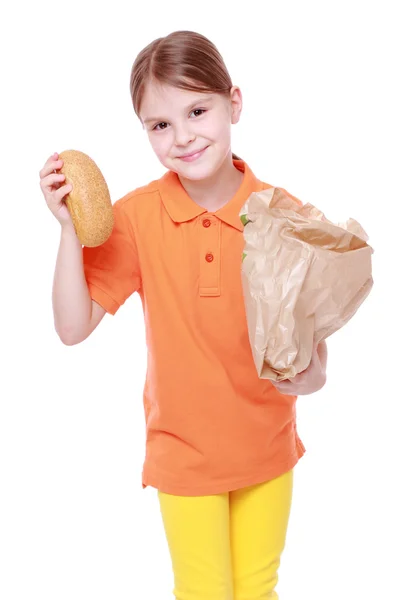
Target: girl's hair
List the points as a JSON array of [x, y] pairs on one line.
[[182, 59]]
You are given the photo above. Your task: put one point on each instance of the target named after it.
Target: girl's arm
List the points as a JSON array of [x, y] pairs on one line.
[[76, 315]]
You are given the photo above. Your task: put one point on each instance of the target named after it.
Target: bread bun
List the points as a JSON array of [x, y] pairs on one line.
[[89, 201]]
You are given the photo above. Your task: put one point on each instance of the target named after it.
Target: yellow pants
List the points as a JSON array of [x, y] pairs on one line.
[[228, 546]]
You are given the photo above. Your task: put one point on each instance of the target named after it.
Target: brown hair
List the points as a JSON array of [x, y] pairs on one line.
[[182, 59]]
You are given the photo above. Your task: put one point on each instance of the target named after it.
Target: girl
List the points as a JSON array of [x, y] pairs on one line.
[[221, 444]]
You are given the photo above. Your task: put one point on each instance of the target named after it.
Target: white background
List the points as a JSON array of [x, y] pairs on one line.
[[321, 119]]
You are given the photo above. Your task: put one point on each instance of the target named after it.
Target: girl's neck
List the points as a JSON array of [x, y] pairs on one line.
[[214, 192]]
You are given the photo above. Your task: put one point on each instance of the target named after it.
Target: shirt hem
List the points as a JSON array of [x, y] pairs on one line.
[[152, 479]]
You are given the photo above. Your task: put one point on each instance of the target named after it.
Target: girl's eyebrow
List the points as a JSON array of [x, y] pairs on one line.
[[202, 100]]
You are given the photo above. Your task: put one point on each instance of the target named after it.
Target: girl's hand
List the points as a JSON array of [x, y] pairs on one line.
[[311, 379], [54, 189]]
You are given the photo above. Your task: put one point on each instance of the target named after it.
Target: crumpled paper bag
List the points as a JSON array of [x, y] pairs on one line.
[[303, 279]]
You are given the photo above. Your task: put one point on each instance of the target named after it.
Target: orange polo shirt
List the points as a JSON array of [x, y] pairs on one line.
[[212, 425]]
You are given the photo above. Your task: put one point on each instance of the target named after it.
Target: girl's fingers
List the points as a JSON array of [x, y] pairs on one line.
[[50, 167], [50, 180]]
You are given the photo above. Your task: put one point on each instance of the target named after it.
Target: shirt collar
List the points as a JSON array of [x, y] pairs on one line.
[[181, 207]]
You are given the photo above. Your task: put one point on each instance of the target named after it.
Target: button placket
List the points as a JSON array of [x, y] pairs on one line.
[[210, 242]]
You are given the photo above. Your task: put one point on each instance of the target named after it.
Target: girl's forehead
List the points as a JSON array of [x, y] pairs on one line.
[[164, 92]]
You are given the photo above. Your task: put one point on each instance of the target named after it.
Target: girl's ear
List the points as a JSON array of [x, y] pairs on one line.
[[236, 104]]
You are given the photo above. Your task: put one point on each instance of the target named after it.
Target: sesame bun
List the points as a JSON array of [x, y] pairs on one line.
[[89, 201]]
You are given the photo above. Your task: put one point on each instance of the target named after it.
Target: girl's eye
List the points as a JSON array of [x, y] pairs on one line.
[[201, 110]]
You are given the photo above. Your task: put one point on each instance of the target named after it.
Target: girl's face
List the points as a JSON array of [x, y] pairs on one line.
[[181, 122]]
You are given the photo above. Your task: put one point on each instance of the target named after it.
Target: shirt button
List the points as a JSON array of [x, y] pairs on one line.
[[209, 257], [206, 223]]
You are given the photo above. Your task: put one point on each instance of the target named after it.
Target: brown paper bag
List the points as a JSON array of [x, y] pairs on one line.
[[303, 278]]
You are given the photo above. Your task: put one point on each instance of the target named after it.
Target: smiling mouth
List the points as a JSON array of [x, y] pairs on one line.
[[192, 153]]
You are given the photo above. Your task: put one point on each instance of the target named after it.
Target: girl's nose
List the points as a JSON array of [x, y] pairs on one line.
[[183, 136]]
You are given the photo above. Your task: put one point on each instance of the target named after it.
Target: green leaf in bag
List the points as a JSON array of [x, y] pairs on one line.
[[244, 219]]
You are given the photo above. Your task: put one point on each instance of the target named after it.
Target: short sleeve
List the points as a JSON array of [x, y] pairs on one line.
[[112, 269]]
